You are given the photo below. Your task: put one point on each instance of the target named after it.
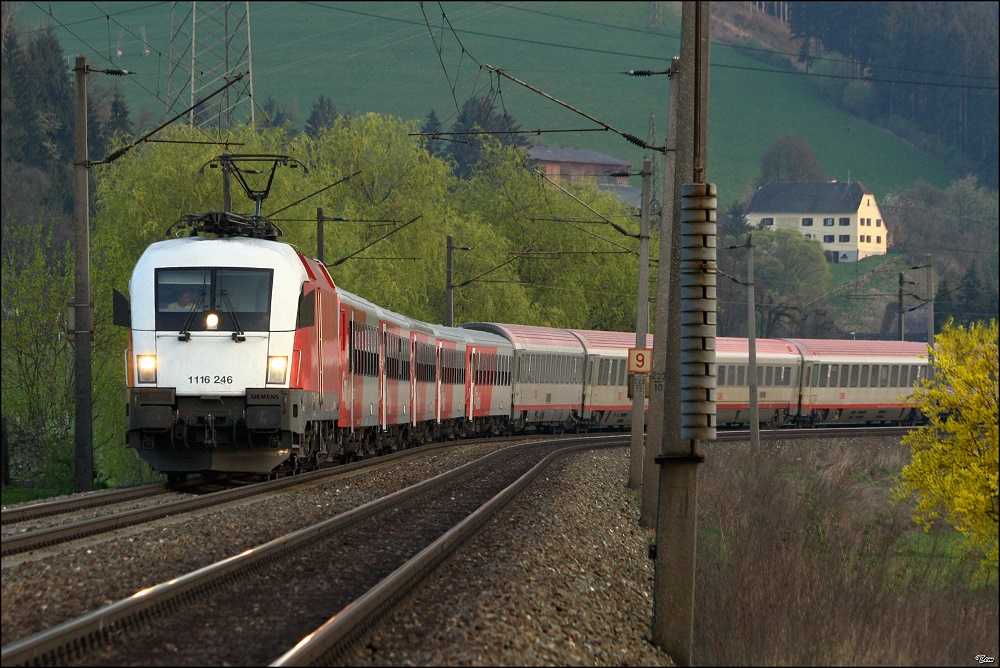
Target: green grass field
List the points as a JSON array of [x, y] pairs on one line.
[[381, 57]]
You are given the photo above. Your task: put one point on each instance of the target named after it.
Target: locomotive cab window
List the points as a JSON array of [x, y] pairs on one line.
[[241, 298]]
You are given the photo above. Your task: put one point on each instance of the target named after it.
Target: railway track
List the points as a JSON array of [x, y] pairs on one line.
[[303, 579], [12, 544], [96, 500]]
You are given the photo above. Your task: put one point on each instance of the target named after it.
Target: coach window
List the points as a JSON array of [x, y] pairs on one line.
[[883, 379], [621, 372], [741, 372], [894, 377], [722, 375], [864, 375], [845, 372], [834, 368], [824, 373]]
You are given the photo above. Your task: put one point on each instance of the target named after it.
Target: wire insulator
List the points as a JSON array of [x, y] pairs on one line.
[[640, 73], [114, 155], [635, 140]]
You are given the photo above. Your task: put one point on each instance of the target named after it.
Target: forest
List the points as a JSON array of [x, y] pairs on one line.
[[926, 71]]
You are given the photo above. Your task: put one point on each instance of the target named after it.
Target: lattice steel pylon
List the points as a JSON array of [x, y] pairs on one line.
[[209, 45]]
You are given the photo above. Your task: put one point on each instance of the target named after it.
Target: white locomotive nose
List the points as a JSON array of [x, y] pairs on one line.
[[212, 321]]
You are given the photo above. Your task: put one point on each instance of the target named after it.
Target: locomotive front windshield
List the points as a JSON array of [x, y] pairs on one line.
[[241, 298]]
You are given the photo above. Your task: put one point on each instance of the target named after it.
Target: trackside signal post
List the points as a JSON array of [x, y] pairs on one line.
[[689, 271]]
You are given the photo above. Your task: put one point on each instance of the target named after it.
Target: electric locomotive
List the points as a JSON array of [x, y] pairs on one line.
[[224, 369]]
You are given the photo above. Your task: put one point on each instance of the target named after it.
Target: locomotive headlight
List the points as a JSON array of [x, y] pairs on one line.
[[147, 368], [276, 368], [212, 321]]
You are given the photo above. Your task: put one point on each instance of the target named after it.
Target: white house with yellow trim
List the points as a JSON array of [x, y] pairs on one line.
[[842, 216]]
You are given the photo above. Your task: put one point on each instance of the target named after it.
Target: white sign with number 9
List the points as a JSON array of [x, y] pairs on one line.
[[640, 360]]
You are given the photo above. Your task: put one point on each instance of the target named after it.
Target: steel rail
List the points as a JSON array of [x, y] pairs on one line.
[[102, 498], [61, 643], [16, 544], [328, 643]]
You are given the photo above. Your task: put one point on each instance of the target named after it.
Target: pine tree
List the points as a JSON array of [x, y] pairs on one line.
[[970, 304], [322, 116], [434, 146], [119, 122], [477, 115], [51, 94]]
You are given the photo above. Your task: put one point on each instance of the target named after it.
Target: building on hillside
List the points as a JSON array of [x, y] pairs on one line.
[[842, 216], [578, 165]]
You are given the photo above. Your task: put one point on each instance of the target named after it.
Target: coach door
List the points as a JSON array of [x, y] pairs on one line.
[[382, 403], [470, 384]]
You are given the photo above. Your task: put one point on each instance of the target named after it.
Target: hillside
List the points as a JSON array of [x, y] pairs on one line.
[[382, 57]]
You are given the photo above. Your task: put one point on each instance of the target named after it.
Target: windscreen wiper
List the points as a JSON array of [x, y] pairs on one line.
[[185, 334], [238, 335]]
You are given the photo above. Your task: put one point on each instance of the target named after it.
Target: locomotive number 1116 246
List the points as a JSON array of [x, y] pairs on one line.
[[210, 380]]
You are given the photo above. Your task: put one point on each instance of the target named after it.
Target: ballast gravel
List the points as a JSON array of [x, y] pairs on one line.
[[561, 577]]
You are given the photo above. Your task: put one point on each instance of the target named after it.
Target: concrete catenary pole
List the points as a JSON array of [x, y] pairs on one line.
[[752, 349], [641, 329], [689, 392], [654, 421], [930, 320], [320, 235], [449, 286], [83, 426]]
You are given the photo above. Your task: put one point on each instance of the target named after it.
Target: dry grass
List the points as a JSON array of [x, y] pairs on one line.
[[803, 560]]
